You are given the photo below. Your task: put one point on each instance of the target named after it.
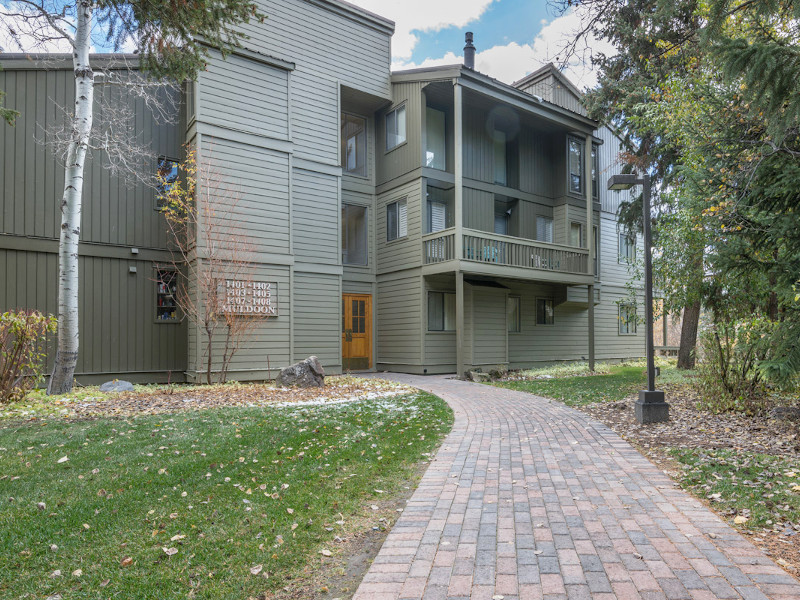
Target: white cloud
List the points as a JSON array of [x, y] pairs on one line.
[[513, 61], [423, 15]]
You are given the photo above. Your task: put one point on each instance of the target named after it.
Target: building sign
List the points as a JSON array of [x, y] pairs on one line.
[[251, 298]]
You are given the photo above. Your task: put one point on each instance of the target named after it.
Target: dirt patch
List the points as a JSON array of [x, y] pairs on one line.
[[692, 428]]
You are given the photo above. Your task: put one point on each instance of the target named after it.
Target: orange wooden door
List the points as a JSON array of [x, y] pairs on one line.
[[356, 331]]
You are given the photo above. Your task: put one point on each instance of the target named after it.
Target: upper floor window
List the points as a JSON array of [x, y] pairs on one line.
[[354, 235], [396, 127], [595, 172], [354, 145], [576, 234], [435, 152], [167, 176], [396, 220], [544, 229], [575, 163], [437, 216], [596, 239], [500, 162], [627, 248]]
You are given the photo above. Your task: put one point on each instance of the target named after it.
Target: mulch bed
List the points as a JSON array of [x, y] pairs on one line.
[[691, 428]]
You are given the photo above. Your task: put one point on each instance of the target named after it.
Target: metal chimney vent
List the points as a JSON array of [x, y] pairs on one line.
[[469, 51]]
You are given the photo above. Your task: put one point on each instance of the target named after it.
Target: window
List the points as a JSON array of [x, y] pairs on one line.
[[396, 220], [544, 311], [513, 314], [441, 311], [396, 127], [500, 157], [575, 160], [627, 319], [437, 216], [167, 176], [627, 248], [435, 153], [354, 235], [576, 234], [595, 172], [354, 145], [166, 295], [544, 229], [596, 239]]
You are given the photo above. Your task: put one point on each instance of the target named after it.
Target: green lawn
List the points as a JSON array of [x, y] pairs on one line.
[[619, 382], [186, 504], [762, 490]]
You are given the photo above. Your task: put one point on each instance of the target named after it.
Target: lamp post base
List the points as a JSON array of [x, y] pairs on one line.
[[651, 407]]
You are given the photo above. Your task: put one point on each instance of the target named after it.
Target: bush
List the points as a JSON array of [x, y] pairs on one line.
[[22, 351], [731, 377]]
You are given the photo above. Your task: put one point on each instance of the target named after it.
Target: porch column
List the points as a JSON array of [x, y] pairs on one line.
[[588, 163], [458, 171], [459, 323]]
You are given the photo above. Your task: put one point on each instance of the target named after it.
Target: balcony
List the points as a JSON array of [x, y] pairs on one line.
[[481, 251]]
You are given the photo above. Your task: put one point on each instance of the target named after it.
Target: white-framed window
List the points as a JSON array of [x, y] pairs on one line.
[[595, 171], [396, 220], [395, 127], [627, 247], [355, 229], [167, 177], [576, 234], [437, 216], [545, 313], [500, 164], [544, 229], [575, 165], [436, 144], [627, 319], [354, 145], [513, 314], [441, 311]]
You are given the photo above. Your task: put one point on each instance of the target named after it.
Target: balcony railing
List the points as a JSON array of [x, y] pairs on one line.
[[483, 247]]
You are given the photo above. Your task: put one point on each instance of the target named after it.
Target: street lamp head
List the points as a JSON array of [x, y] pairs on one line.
[[624, 181]]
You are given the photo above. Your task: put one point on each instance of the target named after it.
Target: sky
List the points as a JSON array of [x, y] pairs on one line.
[[512, 37]]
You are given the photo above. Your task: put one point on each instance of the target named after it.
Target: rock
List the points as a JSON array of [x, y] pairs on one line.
[[308, 373], [118, 385], [785, 413], [478, 377], [498, 373]]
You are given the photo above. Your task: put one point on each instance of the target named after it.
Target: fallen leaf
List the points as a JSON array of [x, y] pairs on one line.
[[126, 562], [740, 520], [325, 552], [256, 570], [77, 572], [175, 538], [63, 459], [170, 551]]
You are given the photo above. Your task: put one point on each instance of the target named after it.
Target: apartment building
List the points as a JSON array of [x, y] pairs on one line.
[[425, 221]]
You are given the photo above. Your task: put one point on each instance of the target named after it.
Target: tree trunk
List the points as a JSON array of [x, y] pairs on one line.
[[67, 347], [686, 351]]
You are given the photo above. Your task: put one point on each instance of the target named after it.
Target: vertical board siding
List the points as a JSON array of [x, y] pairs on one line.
[[399, 320], [258, 102], [32, 179], [315, 221], [478, 210], [317, 318]]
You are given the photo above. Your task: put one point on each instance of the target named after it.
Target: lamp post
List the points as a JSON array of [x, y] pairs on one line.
[[651, 407]]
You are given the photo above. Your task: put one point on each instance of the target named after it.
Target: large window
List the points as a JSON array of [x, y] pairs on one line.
[[575, 160], [576, 234], [627, 248], [396, 127], [354, 145], [396, 220], [166, 296], [545, 315], [354, 235], [595, 172], [441, 311], [500, 163], [435, 153], [513, 314], [544, 229], [627, 319]]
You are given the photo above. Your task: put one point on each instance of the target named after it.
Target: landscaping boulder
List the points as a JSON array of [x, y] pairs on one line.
[[498, 373], [477, 376], [118, 385], [308, 373], [785, 413]]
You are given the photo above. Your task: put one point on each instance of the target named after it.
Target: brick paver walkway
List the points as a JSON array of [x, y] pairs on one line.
[[528, 499]]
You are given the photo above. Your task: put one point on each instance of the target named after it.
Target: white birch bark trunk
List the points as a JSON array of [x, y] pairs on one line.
[[68, 338]]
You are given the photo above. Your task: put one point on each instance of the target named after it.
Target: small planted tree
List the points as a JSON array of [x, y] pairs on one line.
[[209, 253], [22, 351]]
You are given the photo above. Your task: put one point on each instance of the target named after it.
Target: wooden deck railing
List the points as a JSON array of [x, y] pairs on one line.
[[483, 247]]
